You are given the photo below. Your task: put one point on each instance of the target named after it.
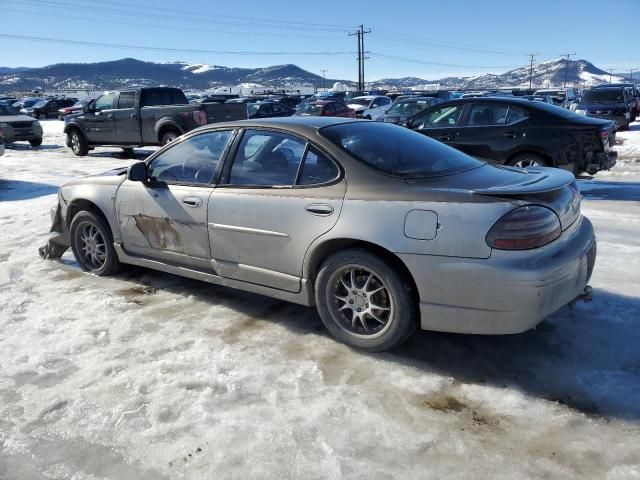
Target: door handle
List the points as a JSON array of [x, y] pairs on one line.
[[510, 135], [110, 116], [444, 137], [192, 202], [134, 115], [321, 209]]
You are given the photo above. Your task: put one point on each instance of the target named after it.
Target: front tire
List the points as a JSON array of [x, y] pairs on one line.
[[525, 160], [364, 302], [168, 137], [92, 244], [36, 142], [42, 116], [78, 143]]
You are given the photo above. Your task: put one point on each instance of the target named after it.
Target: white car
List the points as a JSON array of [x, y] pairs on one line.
[[371, 107]]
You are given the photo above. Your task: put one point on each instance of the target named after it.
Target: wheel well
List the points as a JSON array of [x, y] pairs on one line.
[[80, 205], [322, 252], [167, 128], [544, 156]]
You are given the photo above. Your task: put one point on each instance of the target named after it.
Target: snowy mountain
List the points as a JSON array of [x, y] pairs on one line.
[[129, 72], [551, 73]]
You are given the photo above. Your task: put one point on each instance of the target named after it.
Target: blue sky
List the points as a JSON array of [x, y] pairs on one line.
[[426, 39]]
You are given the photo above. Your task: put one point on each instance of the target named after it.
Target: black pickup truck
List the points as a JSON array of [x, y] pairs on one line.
[[139, 117]]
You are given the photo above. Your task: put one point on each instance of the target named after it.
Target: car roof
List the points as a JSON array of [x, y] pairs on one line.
[[367, 97], [414, 99], [305, 125]]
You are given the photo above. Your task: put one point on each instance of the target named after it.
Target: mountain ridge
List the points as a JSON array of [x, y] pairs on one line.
[[130, 72]]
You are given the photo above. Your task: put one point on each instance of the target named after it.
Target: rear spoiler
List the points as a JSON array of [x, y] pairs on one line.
[[534, 180]]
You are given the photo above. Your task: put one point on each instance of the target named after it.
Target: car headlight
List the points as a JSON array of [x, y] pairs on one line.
[[581, 112]]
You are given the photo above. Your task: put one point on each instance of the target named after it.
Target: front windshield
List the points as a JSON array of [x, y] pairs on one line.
[[40, 104], [7, 110], [409, 108], [310, 109], [360, 101], [398, 151], [30, 103], [603, 96], [253, 108]]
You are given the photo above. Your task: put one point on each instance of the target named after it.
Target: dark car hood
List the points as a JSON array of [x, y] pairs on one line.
[[498, 180], [15, 118], [602, 106]]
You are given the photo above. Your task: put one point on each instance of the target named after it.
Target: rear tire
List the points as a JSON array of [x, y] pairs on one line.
[[36, 142], [77, 142], [525, 160], [92, 244], [364, 302], [168, 137]]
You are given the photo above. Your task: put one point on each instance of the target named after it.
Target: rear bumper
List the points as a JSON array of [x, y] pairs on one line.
[[602, 161], [510, 292]]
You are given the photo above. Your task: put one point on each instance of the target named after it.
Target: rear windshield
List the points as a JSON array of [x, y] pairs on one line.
[[603, 96], [409, 107], [310, 109], [398, 151]]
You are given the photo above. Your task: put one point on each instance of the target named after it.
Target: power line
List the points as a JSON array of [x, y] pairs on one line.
[[425, 62], [172, 27], [160, 49]]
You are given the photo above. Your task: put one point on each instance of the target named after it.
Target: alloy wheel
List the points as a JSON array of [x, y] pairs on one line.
[[92, 246], [528, 162], [75, 142], [362, 304]]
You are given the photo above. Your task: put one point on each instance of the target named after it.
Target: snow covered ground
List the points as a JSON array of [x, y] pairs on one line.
[[151, 376]]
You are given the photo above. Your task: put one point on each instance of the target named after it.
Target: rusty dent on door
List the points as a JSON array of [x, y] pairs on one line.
[[159, 232]]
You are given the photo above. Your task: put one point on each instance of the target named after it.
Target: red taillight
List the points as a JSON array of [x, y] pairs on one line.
[[200, 117], [524, 228], [603, 133]]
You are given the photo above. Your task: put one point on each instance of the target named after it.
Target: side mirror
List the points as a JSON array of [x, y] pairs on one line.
[[137, 172]]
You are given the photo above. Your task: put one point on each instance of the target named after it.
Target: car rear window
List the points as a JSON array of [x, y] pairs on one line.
[[398, 151]]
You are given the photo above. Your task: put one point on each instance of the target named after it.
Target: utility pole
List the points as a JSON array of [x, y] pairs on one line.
[[360, 33], [566, 67], [631, 70], [531, 57], [611, 73], [324, 78]]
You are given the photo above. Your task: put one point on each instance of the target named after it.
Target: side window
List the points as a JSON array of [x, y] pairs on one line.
[[440, 118], [487, 114], [330, 108], [105, 102], [317, 169], [127, 100], [155, 96], [266, 159], [515, 114], [191, 161], [266, 109]]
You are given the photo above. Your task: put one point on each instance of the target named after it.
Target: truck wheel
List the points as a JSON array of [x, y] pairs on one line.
[[364, 302], [36, 142], [168, 137], [78, 143], [92, 244]]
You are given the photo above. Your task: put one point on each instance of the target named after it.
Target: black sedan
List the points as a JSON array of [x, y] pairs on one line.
[[521, 133], [268, 110]]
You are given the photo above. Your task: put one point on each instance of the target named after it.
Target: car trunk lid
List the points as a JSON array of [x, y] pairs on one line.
[[550, 187]]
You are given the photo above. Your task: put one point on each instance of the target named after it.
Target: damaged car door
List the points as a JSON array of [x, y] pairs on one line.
[[165, 218]]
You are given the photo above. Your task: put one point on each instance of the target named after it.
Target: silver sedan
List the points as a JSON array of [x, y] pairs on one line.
[[382, 229]]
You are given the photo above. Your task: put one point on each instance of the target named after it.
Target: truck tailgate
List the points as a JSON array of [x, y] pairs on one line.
[[224, 112]]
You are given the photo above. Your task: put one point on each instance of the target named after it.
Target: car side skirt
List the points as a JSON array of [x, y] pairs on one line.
[[304, 297]]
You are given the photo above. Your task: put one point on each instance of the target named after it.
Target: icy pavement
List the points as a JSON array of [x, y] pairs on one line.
[[151, 376]]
